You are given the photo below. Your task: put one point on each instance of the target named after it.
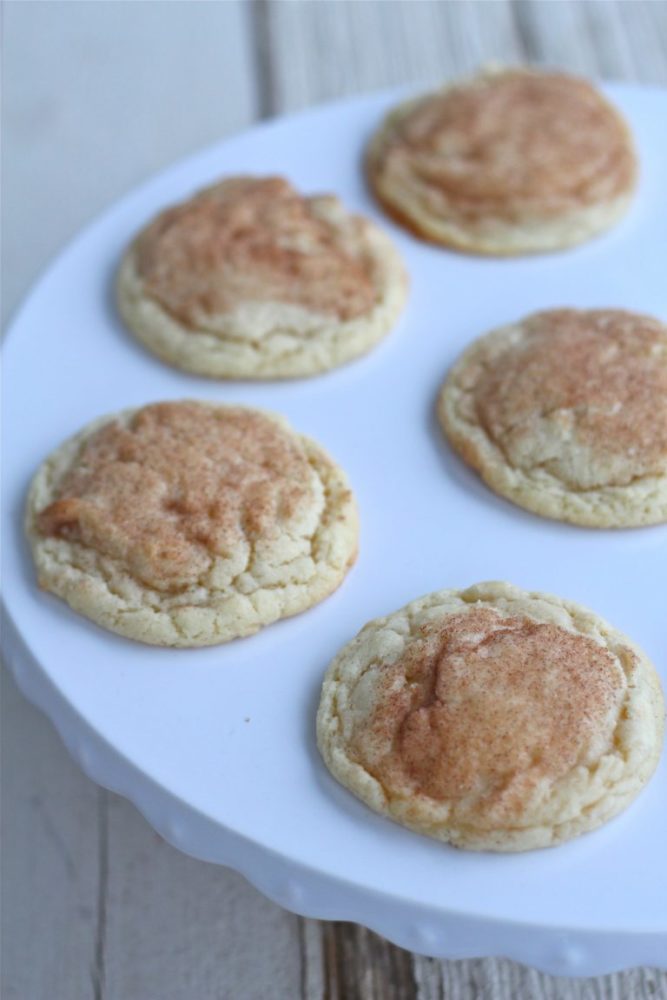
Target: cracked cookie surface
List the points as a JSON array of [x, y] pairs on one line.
[[511, 161], [565, 413], [250, 279], [189, 523], [492, 718]]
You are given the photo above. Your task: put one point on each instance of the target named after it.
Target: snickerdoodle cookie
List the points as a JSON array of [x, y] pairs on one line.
[[565, 413], [512, 161], [492, 718], [189, 523], [250, 279]]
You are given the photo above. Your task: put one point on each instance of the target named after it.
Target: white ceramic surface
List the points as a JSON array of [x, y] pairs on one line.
[[216, 746]]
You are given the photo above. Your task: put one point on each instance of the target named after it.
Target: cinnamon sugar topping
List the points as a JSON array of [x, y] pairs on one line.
[[254, 240], [582, 394], [179, 485], [484, 710]]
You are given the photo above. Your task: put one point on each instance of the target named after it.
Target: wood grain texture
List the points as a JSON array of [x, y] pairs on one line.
[[328, 49], [185, 928], [97, 96], [50, 860]]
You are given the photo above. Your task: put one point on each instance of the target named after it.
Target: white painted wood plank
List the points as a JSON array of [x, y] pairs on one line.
[[98, 96], [50, 861], [330, 49], [645, 29], [614, 39], [556, 32], [179, 929]]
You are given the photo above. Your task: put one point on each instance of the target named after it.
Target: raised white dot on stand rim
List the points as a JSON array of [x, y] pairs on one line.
[[572, 955], [292, 893], [174, 829], [425, 938], [85, 755]]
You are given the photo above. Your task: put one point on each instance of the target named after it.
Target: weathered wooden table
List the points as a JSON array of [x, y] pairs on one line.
[[97, 96]]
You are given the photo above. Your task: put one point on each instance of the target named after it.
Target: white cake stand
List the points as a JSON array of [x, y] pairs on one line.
[[216, 747]]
